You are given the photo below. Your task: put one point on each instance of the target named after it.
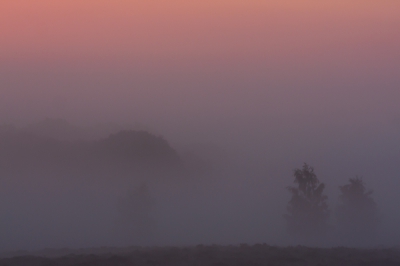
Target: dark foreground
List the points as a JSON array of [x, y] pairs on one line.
[[260, 254]]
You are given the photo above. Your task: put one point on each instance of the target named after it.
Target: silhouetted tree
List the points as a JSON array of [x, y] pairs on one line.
[[307, 209], [357, 215]]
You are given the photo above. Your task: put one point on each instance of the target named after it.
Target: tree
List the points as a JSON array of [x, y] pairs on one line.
[[136, 214], [357, 215], [307, 209]]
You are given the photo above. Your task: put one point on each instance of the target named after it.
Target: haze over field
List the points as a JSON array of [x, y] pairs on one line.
[[243, 92]]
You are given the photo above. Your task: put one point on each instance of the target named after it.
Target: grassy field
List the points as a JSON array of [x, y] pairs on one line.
[[259, 254]]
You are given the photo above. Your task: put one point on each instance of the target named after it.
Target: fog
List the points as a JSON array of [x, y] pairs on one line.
[[228, 193], [240, 148], [233, 100]]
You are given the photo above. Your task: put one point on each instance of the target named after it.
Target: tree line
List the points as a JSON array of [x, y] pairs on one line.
[[308, 212]]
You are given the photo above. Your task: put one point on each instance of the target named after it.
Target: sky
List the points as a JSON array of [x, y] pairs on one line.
[[203, 70], [105, 59], [275, 83]]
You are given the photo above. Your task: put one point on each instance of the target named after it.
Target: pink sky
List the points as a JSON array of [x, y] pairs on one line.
[[59, 30], [208, 60]]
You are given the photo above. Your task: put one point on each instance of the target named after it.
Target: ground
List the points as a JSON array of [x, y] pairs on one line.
[[259, 254]]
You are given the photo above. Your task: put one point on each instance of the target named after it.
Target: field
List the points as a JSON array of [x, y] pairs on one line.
[[259, 254]]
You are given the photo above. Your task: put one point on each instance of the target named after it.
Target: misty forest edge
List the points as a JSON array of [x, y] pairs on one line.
[[357, 215], [307, 216]]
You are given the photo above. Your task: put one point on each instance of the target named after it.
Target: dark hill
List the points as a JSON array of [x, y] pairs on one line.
[[24, 151], [137, 146]]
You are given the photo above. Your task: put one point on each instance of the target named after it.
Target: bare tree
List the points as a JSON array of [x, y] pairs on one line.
[[357, 215], [307, 210]]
